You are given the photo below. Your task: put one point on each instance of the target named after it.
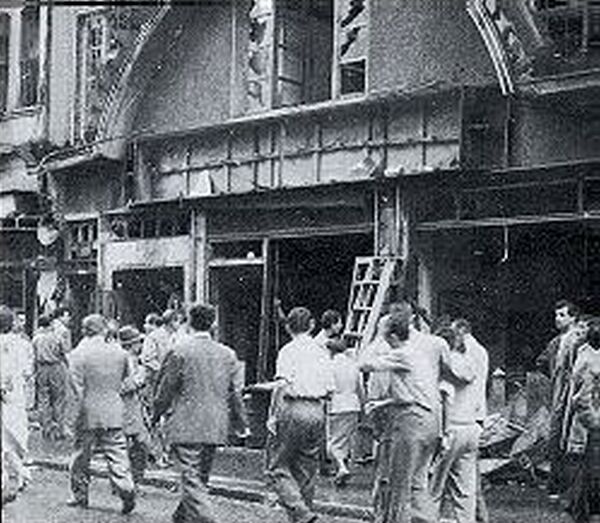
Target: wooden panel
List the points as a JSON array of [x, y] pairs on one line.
[[298, 172], [339, 165]]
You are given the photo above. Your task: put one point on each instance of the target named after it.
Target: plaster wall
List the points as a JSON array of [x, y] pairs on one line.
[[417, 42], [148, 254], [192, 87], [62, 79]]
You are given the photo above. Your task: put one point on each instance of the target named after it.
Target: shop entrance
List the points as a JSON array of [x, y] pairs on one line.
[[237, 292], [315, 273], [506, 283], [139, 292]]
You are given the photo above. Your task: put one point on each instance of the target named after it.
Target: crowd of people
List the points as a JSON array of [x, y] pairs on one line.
[[173, 394]]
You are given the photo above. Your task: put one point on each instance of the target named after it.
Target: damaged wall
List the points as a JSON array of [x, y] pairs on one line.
[[147, 254], [192, 88], [344, 145], [90, 190], [416, 42]]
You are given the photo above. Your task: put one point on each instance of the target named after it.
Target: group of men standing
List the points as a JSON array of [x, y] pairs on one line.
[[408, 370], [572, 362]]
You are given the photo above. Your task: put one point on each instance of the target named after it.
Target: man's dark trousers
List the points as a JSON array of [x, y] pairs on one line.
[[51, 391], [293, 456], [194, 461]]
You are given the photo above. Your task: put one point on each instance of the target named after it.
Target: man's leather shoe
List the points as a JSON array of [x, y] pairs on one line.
[[128, 503], [77, 502]]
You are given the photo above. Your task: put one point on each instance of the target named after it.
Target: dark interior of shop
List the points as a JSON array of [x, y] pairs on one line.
[[506, 283]]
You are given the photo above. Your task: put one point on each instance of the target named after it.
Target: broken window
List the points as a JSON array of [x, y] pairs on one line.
[[291, 53], [352, 46], [573, 26], [260, 56], [4, 39], [304, 39], [30, 55]]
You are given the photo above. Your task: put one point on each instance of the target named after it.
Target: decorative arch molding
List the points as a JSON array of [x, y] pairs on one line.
[[511, 37], [146, 57]]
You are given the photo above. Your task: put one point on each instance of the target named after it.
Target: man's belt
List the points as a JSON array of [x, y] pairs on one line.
[[315, 399]]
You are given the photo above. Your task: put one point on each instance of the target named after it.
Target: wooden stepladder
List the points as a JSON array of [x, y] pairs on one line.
[[374, 282]]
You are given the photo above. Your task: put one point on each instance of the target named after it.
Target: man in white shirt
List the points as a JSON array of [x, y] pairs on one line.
[[297, 419], [455, 473]]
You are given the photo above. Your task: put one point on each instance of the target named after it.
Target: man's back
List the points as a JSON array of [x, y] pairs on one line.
[[208, 377], [98, 369], [47, 345]]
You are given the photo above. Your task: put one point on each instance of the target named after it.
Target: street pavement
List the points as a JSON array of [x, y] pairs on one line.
[[239, 473], [44, 502]]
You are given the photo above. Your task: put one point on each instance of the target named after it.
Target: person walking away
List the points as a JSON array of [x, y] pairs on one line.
[[565, 317], [455, 472], [15, 430], [584, 433], [159, 339], [296, 424], [344, 408], [61, 323], [134, 428], [19, 329], [98, 371], [413, 415], [51, 364], [200, 384], [331, 328]]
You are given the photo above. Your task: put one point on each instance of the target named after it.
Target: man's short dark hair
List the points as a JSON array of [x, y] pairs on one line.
[[7, 319], [169, 316], [61, 310], [202, 317], [154, 319], [462, 324], [330, 317], [400, 317], [572, 309], [44, 321], [299, 320]]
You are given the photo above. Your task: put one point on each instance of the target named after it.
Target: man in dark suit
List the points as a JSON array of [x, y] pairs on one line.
[[199, 390], [98, 369], [565, 317]]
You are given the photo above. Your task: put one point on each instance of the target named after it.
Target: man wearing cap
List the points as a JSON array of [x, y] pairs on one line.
[[200, 386], [98, 370], [134, 427]]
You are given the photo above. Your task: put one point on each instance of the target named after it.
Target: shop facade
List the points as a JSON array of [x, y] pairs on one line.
[[249, 185]]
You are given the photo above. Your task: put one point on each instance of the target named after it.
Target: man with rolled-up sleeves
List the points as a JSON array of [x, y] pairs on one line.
[[304, 380]]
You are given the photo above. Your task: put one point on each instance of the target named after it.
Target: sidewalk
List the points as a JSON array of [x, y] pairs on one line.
[[239, 473]]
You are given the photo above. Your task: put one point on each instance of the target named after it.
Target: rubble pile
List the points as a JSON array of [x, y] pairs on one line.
[[514, 440]]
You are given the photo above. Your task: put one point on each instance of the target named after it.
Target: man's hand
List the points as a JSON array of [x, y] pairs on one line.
[[272, 426], [243, 434]]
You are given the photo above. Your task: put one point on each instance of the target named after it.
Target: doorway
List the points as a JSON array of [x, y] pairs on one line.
[[236, 291]]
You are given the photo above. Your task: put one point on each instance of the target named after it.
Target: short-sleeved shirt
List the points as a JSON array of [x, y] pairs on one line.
[[306, 368], [346, 397]]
